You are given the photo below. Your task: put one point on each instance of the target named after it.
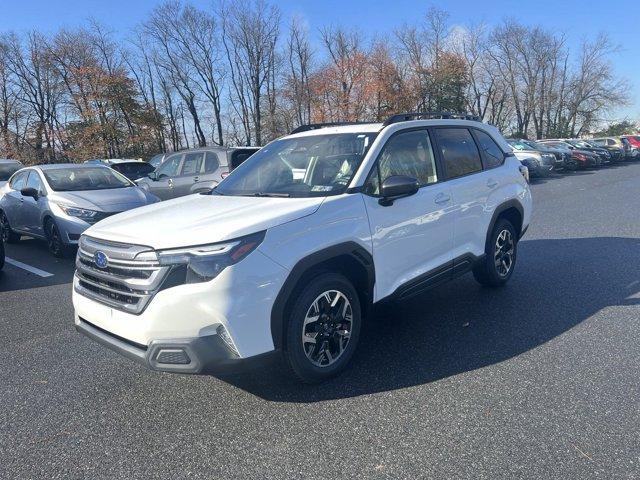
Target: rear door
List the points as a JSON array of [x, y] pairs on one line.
[[189, 174], [470, 189], [211, 172], [12, 201]]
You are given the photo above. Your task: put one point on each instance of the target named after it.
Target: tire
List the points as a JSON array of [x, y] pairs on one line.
[[503, 246], [320, 349], [8, 235], [56, 246]]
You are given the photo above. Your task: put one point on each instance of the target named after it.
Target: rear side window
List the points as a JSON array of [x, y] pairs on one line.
[[192, 163], [491, 152], [211, 163], [18, 182], [459, 151]]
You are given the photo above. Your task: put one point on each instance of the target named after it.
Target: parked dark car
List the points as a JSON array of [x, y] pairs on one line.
[[133, 170], [603, 153], [1, 248], [7, 168], [582, 158], [563, 157]]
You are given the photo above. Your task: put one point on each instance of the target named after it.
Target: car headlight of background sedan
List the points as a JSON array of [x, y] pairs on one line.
[[77, 212]]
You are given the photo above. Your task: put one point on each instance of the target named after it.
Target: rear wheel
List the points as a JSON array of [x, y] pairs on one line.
[[500, 256], [323, 328], [8, 235], [54, 240]]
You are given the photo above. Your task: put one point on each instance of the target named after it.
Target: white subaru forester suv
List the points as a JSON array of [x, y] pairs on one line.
[[287, 255]]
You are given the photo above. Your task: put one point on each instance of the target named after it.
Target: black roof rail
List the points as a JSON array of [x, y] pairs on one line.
[[316, 126], [405, 117]]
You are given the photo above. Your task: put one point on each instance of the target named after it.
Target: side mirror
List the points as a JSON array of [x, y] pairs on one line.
[[29, 192], [397, 186], [153, 176]]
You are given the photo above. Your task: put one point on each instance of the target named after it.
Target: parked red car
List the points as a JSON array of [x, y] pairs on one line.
[[634, 140]]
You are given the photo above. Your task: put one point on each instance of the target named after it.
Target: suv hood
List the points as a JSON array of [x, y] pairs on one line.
[[201, 219]]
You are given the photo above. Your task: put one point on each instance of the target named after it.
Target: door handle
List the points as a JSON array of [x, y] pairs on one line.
[[491, 183], [442, 198], [170, 182], [196, 179]]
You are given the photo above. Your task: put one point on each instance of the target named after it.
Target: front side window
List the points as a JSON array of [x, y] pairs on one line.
[[192, 163], [408, 153], [87, 178], [305, 166], [169, 168], [18, 182], [459, 151], [34, 181], [493, 155]]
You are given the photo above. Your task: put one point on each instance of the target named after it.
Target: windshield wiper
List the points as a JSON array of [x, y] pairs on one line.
[[275, 194]]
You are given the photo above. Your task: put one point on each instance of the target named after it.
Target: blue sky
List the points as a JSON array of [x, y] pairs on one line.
[[577, 18]]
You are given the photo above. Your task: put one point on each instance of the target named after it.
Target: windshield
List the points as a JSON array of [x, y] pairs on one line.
[[316, 165], [8, 169], [518, 145], [582, 144], [133, 170], [83, 178], [535, 145]]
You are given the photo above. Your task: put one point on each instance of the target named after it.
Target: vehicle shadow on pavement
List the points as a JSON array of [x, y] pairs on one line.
[[462, 326], [34, 254]]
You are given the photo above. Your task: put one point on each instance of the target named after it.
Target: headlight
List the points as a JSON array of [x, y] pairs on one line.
[[82, 213], [205, 262]]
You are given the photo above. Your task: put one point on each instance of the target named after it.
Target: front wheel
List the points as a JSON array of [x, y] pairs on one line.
[[500, 256], [323, 328], [55, 244]]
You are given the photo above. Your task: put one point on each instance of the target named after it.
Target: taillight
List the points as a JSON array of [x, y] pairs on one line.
[[580, 156], [224, 174]]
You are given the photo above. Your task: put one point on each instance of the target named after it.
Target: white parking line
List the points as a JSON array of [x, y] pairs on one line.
[[28, 268]]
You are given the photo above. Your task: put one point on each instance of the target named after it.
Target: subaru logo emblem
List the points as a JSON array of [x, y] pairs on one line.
[[100, 259]]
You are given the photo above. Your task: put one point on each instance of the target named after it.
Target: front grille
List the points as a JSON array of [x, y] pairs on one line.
[[128, 282], [101, 216]]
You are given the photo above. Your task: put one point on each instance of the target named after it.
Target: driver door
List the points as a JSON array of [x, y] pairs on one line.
[[413, 237], [163, 186]]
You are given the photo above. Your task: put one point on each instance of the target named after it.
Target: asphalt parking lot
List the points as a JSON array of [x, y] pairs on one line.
[[538, 380]]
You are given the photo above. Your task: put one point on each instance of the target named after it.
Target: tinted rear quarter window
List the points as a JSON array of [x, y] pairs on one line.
[[492, 154], [459, 151]]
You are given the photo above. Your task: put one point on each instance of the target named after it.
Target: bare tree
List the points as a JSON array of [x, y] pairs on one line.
[[250, 32]]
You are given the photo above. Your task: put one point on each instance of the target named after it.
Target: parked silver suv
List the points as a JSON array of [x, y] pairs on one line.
[[194, 171]]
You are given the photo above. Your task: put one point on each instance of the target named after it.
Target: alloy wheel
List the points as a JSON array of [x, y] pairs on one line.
[[326, 331], [53, 240], [6, 229], [505, 249]]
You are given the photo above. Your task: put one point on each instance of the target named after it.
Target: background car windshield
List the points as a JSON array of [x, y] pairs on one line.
[[8, 169], [316, 165], [76, 179]]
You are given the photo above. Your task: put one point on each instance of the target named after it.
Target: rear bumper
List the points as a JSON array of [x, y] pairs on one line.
[[199, 355]]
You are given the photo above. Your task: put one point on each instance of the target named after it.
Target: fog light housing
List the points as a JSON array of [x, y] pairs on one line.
[[173, 356], [226, 338]]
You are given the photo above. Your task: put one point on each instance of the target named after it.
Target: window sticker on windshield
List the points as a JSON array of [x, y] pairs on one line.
[[322, 188]]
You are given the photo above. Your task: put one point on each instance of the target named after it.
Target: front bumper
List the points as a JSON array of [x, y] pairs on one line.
[[71, 228], [199, 355], [240, 299]]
